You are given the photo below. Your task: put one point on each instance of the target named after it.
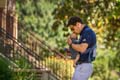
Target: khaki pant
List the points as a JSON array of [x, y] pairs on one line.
[[83, 71]]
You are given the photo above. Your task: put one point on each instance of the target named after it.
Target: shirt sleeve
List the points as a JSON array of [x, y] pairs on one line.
[[86, 38]]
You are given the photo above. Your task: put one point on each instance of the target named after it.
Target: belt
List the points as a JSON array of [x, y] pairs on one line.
[[80, 62]]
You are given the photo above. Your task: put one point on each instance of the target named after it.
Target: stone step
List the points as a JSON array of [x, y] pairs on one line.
[[40, 74]]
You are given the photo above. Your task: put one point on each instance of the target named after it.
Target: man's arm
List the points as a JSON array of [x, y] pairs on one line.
[[80, 47]]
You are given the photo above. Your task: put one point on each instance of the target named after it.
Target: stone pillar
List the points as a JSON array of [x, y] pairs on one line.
[[1, 11], [3, 4], [10, 18], [15, 26], [4, 19]]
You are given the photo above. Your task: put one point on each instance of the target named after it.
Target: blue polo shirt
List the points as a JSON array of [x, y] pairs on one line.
[[87, 36]]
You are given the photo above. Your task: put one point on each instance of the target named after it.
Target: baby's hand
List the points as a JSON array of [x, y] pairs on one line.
[[74, 64], [73, 35]]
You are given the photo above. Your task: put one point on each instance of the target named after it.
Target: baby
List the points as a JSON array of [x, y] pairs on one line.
[[74, 54]]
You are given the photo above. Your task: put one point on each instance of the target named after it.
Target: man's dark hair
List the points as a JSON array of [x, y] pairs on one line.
[[73, 20]]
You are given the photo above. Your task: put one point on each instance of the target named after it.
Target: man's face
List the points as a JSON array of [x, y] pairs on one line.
[[76, 28]]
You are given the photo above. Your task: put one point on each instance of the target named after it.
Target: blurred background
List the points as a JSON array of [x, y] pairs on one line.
[[47, 20]]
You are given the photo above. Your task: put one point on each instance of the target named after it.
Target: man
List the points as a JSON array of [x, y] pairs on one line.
[[87, 41]]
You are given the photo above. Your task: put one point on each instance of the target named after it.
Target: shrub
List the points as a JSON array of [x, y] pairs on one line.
[[5, 72]]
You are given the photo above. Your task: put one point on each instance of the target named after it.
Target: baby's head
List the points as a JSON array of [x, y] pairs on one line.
[[73, 35]]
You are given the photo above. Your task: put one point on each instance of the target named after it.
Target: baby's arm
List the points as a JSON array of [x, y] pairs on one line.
[[76, 59]]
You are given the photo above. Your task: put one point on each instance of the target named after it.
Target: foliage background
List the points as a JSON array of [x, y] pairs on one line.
[[48, 18], [5, 72]]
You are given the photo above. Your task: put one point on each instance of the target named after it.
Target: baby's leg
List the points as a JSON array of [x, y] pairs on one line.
[[76, 59]]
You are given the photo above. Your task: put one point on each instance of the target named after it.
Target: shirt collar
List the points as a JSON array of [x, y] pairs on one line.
[[84, 29]]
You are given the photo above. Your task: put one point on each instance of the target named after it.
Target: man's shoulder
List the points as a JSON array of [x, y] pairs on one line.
[[88, 31]]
